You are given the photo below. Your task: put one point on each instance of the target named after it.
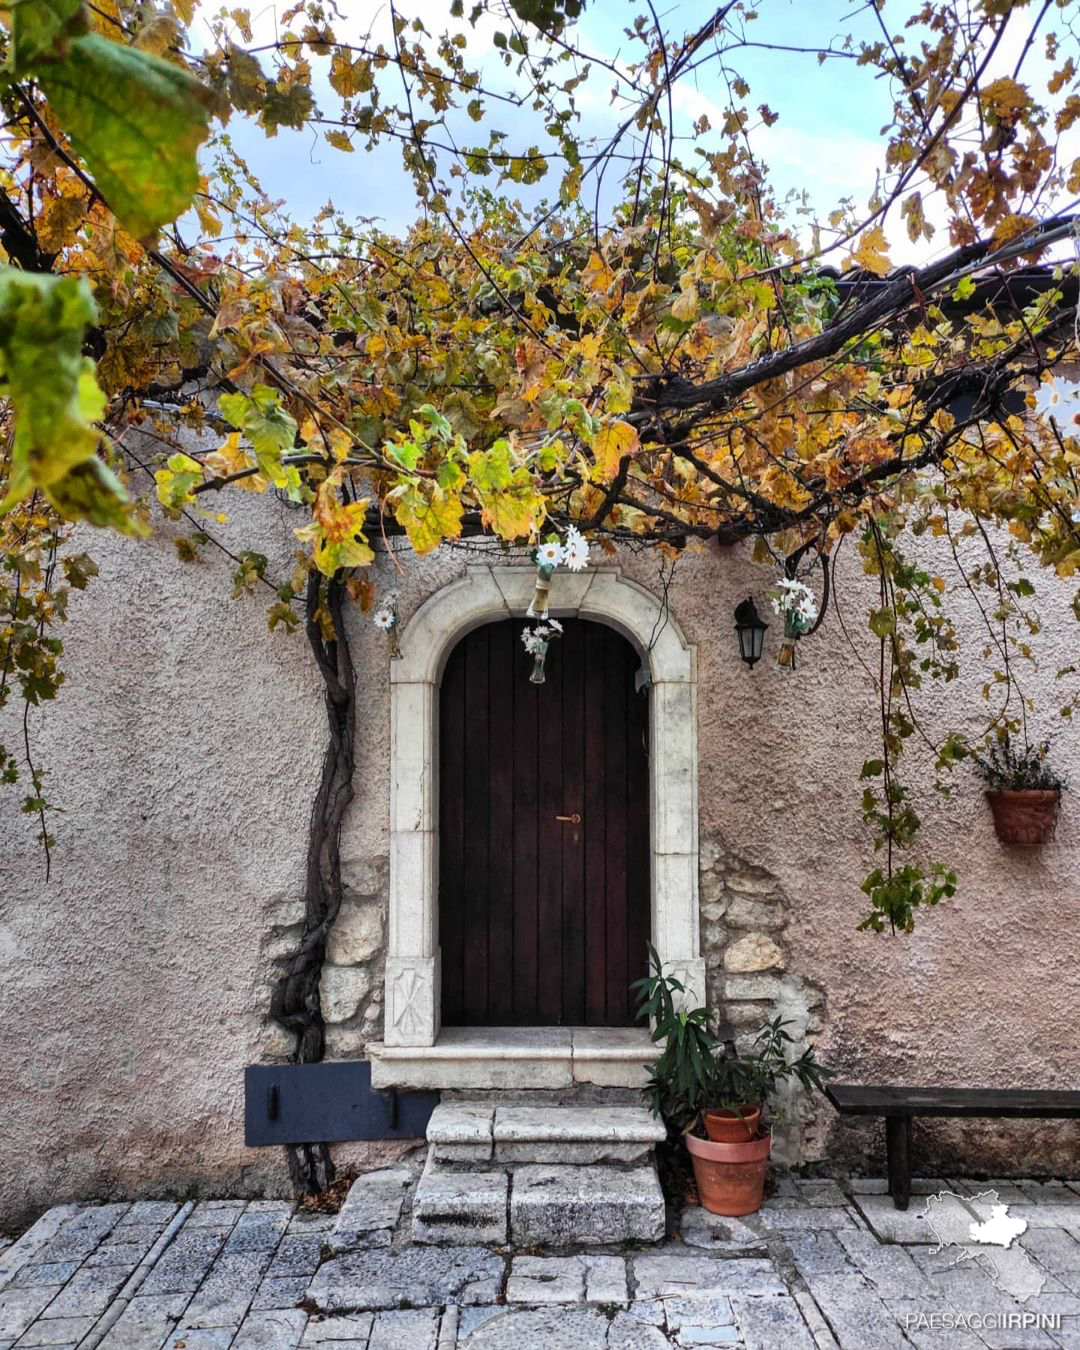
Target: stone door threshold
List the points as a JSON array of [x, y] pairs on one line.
[[517, 1057]]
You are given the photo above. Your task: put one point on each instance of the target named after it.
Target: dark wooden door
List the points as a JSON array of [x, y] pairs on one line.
[[542, 922]]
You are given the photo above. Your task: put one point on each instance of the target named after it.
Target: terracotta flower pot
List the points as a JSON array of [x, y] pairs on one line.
[[730, 1177], [732, 1127], [1024, 819]]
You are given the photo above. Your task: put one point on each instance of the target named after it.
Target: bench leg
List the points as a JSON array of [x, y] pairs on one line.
[[898, 1154]]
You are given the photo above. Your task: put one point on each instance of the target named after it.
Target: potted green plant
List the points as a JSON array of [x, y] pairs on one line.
[[698, 1077], [1023, 791]]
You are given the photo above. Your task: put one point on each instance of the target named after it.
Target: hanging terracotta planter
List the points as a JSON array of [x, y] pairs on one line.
[[730, 1177], [733, 1127], [1025, 818]]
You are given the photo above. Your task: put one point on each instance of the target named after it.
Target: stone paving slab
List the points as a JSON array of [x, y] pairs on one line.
[[371, 1209], [567, 1279], [823, 1267], [417, 1275]]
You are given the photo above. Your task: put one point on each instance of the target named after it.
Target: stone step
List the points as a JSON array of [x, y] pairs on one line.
[[538, 1205], [490, 1134]]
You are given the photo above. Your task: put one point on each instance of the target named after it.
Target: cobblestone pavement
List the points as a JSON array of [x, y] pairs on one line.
[[824, 1264]]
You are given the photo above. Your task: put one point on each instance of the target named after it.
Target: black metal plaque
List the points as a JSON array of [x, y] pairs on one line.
[[328, 1103]]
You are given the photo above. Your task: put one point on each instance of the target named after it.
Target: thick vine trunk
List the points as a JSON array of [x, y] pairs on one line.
[[295, 1003]]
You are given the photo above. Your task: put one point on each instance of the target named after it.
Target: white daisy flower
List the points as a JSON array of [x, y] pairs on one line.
[[1061, 401], [385, 618], [549, 555], [575, 549]]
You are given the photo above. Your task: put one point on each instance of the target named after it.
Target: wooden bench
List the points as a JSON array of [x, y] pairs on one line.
[[899, 1105]]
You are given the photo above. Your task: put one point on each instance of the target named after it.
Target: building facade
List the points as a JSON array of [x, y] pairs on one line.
[[487, 937]]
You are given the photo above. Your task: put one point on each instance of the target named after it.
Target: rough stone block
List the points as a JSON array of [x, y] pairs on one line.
[[371, 1210], [356, 935], [743, 913], [763, 987], [460, 1207], [754, 952], [341, 991], [578, 1135], [855, 1313], [461, 1132], [560, 1206], [422, 1276]]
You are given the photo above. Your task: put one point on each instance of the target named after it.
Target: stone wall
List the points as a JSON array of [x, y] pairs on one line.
[[751, 979]]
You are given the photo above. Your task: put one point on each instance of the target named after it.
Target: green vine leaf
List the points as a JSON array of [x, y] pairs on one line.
[[42, 30], [56, 399], [137, 121]]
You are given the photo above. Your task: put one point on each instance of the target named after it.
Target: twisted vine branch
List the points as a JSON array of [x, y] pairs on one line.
[[295, 1003]]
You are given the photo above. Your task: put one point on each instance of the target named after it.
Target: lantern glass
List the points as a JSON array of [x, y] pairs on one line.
[[750, 628]]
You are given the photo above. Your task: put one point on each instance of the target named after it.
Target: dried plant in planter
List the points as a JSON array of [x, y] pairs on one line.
[[1023, 790]]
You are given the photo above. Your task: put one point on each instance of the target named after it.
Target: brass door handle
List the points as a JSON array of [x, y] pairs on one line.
[[575, 819]]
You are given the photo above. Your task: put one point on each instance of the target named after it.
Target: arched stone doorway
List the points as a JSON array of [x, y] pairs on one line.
[[484, 595]]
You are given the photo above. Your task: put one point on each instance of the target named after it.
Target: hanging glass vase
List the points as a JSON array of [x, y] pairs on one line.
[[786, 658], [539, 657]]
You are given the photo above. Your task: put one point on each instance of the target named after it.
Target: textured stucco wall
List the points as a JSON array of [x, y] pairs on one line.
[[184, 750]]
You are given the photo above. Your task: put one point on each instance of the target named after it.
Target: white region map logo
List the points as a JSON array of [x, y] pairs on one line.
[[987, 1237]]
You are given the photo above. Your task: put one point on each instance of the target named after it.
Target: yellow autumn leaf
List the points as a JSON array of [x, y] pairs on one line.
[[233, 457], [349, 77], [428, 514], [685, 307], [339, 141], [516, 513], [596, 275], [336, 533], [613, 441], [871, 251]]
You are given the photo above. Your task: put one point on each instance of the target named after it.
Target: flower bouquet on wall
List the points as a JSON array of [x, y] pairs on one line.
[[795, 603]]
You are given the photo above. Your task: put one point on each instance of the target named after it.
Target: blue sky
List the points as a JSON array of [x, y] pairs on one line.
[[827, 141]]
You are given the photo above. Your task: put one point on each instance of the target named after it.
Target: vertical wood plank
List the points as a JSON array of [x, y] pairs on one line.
[[526, 1007], [476, 828], [549, 838], [500, 806], [615, 891], [595, 827], [571, 835]]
